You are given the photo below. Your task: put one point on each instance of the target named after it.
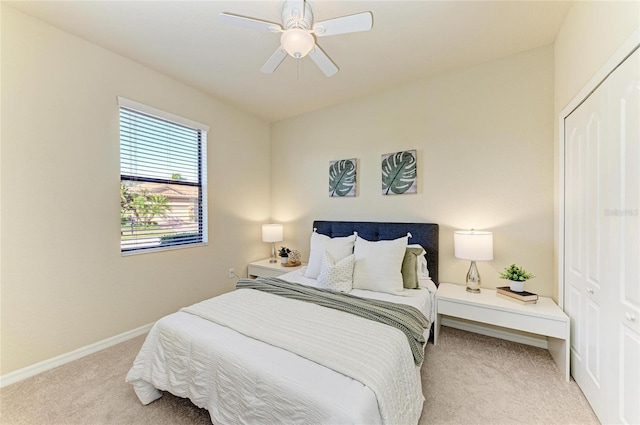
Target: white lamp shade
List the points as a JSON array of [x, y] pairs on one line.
[[297, 42], [272, 232], [473, 245]]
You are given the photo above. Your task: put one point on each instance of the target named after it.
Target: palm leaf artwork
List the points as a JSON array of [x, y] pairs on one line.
[[342, 177], [399, 173]]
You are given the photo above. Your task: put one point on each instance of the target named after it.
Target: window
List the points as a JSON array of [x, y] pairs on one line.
[[162, 179]]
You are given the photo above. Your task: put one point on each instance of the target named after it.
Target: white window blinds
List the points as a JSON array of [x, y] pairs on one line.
[[162, 179]]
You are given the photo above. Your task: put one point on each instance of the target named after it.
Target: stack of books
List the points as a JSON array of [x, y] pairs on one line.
[[523, 297]]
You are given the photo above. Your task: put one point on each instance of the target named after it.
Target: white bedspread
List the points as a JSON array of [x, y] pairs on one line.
[[242, 380], [340, 341]]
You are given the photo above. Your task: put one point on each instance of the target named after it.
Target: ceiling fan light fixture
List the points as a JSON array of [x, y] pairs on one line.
[[297, 42]]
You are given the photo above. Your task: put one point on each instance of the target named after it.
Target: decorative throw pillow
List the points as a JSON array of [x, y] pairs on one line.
[[336, 276], [410, 267], [378, 265], [339, 248]]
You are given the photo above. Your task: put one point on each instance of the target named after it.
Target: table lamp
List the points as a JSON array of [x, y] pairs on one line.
[[272, 233], [475, 246]]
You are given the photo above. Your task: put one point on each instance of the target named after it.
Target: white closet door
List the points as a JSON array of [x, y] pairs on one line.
[[624, 217], [602, 244], [585, 287]]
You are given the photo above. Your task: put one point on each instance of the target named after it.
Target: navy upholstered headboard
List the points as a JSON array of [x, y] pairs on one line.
[[425, 234]]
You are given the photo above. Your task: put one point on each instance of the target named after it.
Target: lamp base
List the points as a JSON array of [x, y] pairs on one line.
[[473, 279], [273, 258]]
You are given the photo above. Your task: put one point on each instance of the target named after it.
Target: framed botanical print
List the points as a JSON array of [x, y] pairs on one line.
[[399, 173], [343, 177]]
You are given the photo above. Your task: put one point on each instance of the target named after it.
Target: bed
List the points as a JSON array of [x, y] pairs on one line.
[[251, 357]]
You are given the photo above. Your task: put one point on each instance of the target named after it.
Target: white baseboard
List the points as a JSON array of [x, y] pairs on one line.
[[43, 366], [496, 332]]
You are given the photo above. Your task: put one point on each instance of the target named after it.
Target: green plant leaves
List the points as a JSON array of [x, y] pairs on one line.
[[516, 273], [399, 172], [342, 177]]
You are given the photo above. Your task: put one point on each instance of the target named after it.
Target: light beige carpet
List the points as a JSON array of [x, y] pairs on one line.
[[467, 379]]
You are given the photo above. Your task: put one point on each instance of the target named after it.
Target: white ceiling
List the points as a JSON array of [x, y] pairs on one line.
[[409, 40]]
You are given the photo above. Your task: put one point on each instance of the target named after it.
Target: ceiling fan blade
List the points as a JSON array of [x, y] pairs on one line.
[[321, 59], [272, 63], [352, 23], [244, 22]]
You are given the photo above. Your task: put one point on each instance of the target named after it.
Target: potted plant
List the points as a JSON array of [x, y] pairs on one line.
[[516, 276], [284, 254]]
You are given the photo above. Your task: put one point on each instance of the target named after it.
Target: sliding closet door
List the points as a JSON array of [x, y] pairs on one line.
[[602, 244], [624, 218], [586, 286]]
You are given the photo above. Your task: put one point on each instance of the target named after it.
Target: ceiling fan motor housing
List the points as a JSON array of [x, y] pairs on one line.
[[291, 16]]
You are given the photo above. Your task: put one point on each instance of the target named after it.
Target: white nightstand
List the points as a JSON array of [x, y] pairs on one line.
[[543, 318], [263, 268]]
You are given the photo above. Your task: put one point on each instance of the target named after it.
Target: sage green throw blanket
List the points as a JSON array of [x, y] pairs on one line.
[[409, 320]]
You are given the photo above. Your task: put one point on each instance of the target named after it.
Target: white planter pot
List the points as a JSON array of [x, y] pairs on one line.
[[516, 286], [284, 260]]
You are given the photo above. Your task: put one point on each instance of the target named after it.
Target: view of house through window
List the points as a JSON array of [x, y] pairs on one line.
[[162, 181]]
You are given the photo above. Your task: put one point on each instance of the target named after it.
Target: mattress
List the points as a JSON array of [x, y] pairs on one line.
[[242, 380]]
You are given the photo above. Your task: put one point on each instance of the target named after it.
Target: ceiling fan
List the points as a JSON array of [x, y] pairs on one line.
[[299, 33]]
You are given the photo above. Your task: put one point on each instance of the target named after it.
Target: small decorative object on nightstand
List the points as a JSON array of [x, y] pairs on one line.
[[516, 276], [284, 254], [475, 246], [294, 258], [522, 297], [272, 233]]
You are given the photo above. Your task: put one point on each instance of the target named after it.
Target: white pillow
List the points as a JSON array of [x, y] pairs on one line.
[[336, 276], [339, 248], [378, 265], [423, 269]]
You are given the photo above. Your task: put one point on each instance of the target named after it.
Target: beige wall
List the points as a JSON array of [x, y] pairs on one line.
[[64, 283], [591, 33], [484, 137]]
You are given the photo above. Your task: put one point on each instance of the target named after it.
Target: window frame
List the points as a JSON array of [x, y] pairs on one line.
[[203, 130]]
